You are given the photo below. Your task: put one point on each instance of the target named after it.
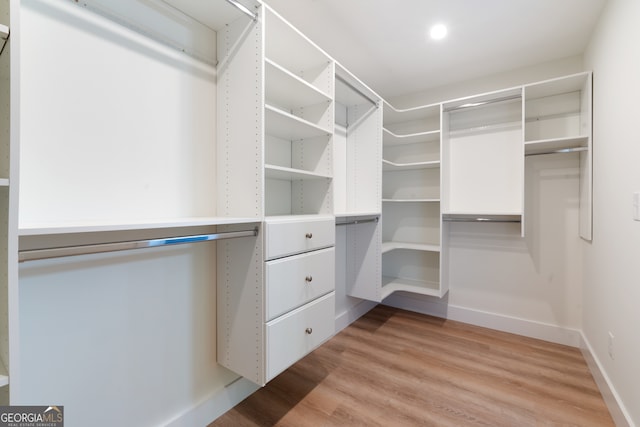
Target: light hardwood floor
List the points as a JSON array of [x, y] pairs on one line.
[[397, 368]]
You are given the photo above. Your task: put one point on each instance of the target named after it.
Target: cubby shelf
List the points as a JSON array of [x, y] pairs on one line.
[[285, 125], [395, 284], [4, 182], [391, 138], [389, 166], [288, 174], [544, 145], [4, 31], [390, 246], [287, 90]]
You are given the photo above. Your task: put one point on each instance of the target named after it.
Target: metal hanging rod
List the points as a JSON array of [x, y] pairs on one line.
[[65, 251], [243, 9], [562, 150], [352, 87], [358, 221], [480, 219], [480, 103]]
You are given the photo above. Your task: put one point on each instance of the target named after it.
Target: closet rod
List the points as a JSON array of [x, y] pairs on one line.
[[480, 219], [352, 87], [244, 9], [562, 150], [65, 251], [477, 104], [358, 221]]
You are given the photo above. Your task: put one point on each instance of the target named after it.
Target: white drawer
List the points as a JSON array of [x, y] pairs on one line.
[[292, 236], [292, 336], [296, 280]]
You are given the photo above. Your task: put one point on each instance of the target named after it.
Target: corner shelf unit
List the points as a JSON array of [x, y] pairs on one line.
[[411, 217]]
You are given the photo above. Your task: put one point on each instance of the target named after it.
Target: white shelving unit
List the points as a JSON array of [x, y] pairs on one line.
[[412, 230], [558, 118], [483, 155], [357, 183], [298, 122]]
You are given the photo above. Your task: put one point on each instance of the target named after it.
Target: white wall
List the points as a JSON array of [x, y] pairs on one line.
[[612, 289], [116, 126], [529, 285]]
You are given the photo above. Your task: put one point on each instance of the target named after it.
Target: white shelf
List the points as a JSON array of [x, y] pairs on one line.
[[4, 182], [284, 125], [389, 166], [394, 284], [288, 174], [390, 246], [543, 145], [411, 200], [95, 226], [356, 214], [288, 90], [421, 112], [391, 138], [4, 31]]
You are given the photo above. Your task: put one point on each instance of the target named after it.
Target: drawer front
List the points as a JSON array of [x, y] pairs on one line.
[[284, 238], [292, 336], [294, 281]]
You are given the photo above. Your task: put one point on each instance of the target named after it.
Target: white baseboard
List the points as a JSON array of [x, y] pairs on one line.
[[500, 322], [617, 410], [354, 313], [207, 411]]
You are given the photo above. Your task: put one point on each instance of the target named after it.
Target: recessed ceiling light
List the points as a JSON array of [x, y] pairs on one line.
[[438, 32]]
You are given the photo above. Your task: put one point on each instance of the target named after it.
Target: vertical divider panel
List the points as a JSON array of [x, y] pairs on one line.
[[241, 119]]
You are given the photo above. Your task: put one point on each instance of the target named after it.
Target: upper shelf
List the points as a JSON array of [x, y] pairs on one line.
[[391, 138], [214, 14], [289, 91], [4, 31], [421, 112]]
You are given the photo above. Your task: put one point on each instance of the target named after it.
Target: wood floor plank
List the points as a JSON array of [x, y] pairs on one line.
[[397, 368]]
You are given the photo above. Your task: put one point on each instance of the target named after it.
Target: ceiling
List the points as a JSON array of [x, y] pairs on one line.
[[385, 42]]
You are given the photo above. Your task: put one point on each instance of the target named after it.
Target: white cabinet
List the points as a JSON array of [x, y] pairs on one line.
[[275, 306]]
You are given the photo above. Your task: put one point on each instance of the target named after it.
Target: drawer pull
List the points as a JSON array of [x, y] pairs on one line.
[[308, 331], [308, 279], [308, 235]]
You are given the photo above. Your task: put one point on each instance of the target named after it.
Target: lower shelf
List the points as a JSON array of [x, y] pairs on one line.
[[390, 246], [394, 284]]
